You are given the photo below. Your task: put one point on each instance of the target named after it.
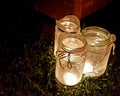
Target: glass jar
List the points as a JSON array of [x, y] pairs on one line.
[[100, 43], [70, 59], [70, 24]]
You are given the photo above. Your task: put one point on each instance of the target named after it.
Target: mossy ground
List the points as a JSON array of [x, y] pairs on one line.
[[33, 75]]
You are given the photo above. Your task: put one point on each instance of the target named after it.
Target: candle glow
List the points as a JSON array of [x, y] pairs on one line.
[[70, 78], [70, 59], [88, 68]]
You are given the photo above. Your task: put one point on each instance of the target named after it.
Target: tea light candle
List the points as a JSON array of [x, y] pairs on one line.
[[70, 78], [70, 59], [88, 68]]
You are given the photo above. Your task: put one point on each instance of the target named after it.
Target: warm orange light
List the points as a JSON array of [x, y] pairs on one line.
[[70, 24], [100, 43], [70, 59]]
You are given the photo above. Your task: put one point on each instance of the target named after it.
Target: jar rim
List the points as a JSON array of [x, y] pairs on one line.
[[89, 32], [77, 36], [69, 18]]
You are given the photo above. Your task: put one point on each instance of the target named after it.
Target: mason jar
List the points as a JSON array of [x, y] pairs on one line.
[[70, 59], [100, 42], [70, 24]]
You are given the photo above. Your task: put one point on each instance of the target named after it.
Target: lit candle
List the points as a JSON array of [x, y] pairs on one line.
[[88, 68], [70, 59], [70, 78], [100, 43]]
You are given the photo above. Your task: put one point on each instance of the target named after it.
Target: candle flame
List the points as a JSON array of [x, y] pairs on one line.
[[70, 78], [87, 68]]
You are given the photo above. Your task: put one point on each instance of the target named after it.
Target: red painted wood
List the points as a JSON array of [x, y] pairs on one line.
[[59, 8]]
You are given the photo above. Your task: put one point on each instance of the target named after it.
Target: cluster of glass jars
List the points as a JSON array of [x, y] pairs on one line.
[[80, 52]]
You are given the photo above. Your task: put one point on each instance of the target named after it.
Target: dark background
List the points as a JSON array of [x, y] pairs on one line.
[[21, 25]]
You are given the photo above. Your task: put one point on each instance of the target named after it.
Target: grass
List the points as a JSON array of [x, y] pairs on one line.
[[33, 75]]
